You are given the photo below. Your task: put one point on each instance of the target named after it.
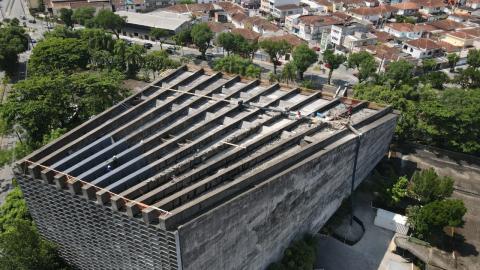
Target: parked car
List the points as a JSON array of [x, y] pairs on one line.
[[169, 50], [23, 18], [33, 41], [147, 45], [32, 21], [209, 55]]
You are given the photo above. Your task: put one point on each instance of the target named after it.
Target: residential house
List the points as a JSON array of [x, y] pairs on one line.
[[311, 28], [268, 6], [385, 54], [318, 6], [260, 25], [403, 30], [473, 4], [343, 5], [293, 40], [354, 42], [238, 19], [280, 12], [422, 48], [406, 8], [462, 38], [247, 34], [339, 32], [203, 12], [218, 28], [447, 25], [372, 14]]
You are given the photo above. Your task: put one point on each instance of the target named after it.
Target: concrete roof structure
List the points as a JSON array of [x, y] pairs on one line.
[[192, 140], [157, 19]]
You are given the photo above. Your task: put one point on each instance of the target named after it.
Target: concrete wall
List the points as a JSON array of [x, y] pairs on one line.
[[252, 230], [91, 236]]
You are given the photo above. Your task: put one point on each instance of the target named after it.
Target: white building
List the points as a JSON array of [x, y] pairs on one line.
[[339, 32], [422, 48], [268, 6], [403, 30], [311, 27]]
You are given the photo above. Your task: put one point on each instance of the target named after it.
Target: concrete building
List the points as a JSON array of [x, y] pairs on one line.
[[339, 32], [201, 170], [140, 24], [268, 6], [311, 27], [357, 40], [280, 12]]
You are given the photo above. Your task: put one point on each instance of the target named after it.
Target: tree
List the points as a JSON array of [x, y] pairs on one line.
[[97, 39], [427, 186], [227, 41], [187, 2], [428, 65], [398, 191], [473, 59], [20, 244], [159, 34], [66, 17], [157, 61], [365, 63], [108, 20], [468, 78], [436, 79], [201, 37], [399, 72], [13, 41], [452, 120], [14, 208], [58, 54], [300, 255], [238, 65], [43, 103], [275, 50], [303, 58], [183, 38], [453, 59], [333, 61], [430, 219], [83, 15], [134, 59], [289, 72]]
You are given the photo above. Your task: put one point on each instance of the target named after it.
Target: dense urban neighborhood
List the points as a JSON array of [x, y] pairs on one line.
[[245, 134]]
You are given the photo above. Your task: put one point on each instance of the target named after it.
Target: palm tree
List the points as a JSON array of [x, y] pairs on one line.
[[289, 72], [452, 61], [134, 59]]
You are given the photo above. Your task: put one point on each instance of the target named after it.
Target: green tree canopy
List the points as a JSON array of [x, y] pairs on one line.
[[453, 59], [452, 120], [436, 79], [365, 63], [399, 72], [158, 61], [43, 103], [201, 37], [332, 61], [303, 58], [473, 58], [300, 255], [275, 50], [427, 186], [13, 40], [289, 72], [430, 219], [227, 41], [83, 14], [21, 247], [238, 65], [108, 20], [58, 55], [159, 34], [66, 17]]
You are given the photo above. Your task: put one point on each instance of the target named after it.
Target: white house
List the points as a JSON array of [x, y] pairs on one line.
[[406, 8], [268, 6], [403, 30], [422, 48], [372, 14], [339, 32]]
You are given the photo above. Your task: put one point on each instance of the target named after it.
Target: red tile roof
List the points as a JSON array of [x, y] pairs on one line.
[[423, 43], [289, 38], [246, 33]]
